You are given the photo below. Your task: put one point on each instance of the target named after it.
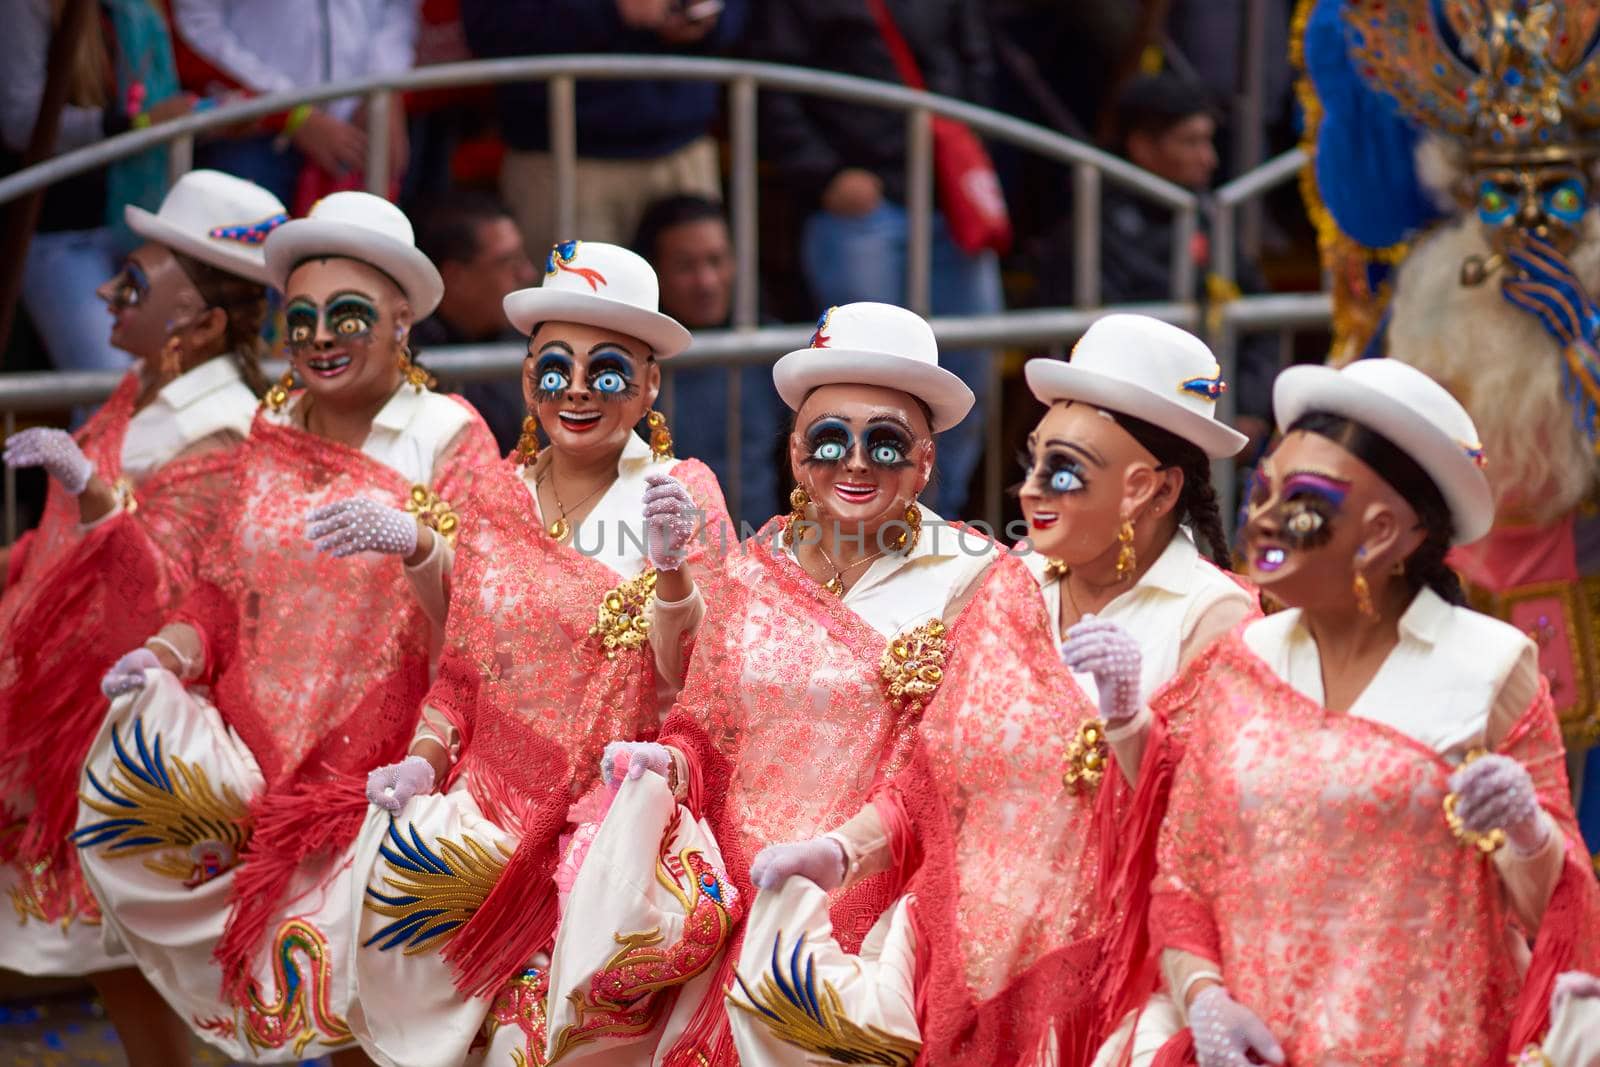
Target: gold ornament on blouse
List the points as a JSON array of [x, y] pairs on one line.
[[622, 621], [1485, 842], [912, 666], [1086, 757], [434, 512], [126, 500]]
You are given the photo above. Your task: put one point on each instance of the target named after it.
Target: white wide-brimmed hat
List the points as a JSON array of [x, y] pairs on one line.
[[1411, 410], [218, 219], [602, 285], [1139, 366], [365, 228], [874, 344]]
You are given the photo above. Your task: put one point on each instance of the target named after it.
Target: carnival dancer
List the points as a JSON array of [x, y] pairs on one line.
[[1370, 827], [189, 305], [572, 615], [833, 635], [1459, 223], [1118, 497], [222, 795]]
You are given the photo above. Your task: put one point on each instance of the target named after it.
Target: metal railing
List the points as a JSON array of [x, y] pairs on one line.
[[746, 342]]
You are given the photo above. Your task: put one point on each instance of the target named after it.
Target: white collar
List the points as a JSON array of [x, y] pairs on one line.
[[402, 407], [1173, 570], [197, 383]]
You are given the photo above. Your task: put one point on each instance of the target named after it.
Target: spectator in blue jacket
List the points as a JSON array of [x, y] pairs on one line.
[[637, 140]]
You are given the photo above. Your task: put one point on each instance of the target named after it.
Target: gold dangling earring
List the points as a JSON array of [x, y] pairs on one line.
[[908, 540], [660, 437], [1127, 560], [1363, 591], [415, 376], [278, 395], [798, 499], [528, 444]]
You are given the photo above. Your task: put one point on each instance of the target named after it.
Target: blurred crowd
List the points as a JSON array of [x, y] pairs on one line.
[[1160, 82]]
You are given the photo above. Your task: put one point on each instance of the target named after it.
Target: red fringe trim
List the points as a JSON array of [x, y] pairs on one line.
[[1128, 973], [1177, 1052], [518, 917], [54, 708], [1555, 950], [287, 825]]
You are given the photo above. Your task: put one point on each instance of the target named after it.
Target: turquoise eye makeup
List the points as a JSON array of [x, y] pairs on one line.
[[611, 376], [828, 441], [350, 318], [300, 319], [1059, 473], [888, 446], [552, 375]]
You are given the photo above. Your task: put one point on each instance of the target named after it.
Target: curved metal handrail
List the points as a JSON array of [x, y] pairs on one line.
[[1002, 127]]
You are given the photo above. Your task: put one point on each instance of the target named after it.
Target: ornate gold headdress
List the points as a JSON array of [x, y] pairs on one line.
[[1517, 81]]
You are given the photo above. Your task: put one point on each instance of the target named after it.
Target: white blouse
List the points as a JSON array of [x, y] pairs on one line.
[[899, 592], [409, 433], [1161, 611], [199, 403], [1439, 684]]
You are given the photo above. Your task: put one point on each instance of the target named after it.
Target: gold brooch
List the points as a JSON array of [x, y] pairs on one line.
[[621, 621], [1485, 842], [434, 512], [912, 666], [1086, 757]]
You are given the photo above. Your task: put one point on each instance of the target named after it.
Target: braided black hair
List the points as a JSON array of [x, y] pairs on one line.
[[1426, 566], [1197, 505]]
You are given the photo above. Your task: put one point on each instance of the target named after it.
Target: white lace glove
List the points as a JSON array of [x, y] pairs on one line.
[[669, 521], [641, 756], [821, 859], [392, 787], [1495, 792], [127, 674], [1226, 1032], [1106, 651], [1572, 984], [346, 527], [55, 451]]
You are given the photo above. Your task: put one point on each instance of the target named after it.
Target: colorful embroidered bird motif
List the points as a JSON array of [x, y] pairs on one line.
[[560, 259], [434, 892], [820, 339], [520, 1003], [301, 1014], [791, 1007], [1210, 388], [166, 807], [618, 1003]]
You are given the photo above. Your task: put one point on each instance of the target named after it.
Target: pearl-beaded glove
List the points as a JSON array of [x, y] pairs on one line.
[[392, 787], [55, 451], [641, 756], [1106, 651], [1226, 1032], [669, 521], [359, 524], [820, 859], [127, 674], [1496, 792]]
